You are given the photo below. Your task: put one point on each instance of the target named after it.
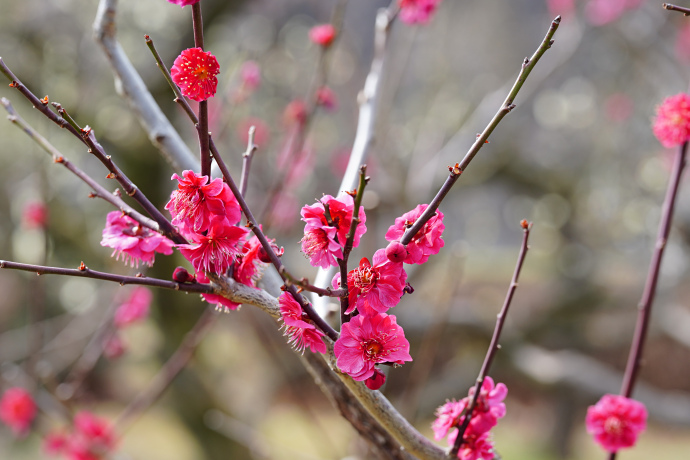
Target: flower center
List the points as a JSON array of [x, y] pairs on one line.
[[136, 230], [365, 278], [201, 72], [613, 425], [314, 241], [372, 349]]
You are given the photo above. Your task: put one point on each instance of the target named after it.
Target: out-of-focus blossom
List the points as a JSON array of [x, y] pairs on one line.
[[417, 11], [323, 34], [302, 334], [114, 347], [564, 8], [251, 75], [326, 97], [428, 239], [136, 308], [216, 250], [374, 288], [194, 71], [261, 131], [17, 410], [618, 107], [683, 44], [55, 442], [369, 340], [672, 123], [183, 3], [295, 112], [601, 12], [35, 215], [196, 202], [134, 242], [323, 241], [616, 421]]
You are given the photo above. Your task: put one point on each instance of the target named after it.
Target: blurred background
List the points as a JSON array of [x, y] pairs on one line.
[[577, 157]]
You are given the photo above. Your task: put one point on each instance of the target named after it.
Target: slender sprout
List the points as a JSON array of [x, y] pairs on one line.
[[507, 106], [85, 272], [494, 346], [349, 241], [179, 98], [88, 137], [59, 158], [670, 7], [202, 126], [304, 284]]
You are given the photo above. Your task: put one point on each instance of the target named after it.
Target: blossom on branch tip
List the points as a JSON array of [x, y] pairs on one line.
[[134, 242], [323, 34], [302, 333], [323, 241], [490, 406], [369, 340], [616, 421], [374, 288], [428, 239], [194, 71], [417, 11], [447, 417], [672, 123], [17, 410]]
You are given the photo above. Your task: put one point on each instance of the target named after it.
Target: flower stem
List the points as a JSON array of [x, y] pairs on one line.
[[202, 126], [494, 346], [507, 106], [670, 7], [247, 160]]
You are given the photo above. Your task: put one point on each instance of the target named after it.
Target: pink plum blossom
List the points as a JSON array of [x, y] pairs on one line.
[[222, 304], [136, 308], [194, 71], [17, 410], [447, 417], [196, 202], [672, 123], [374, 288], [428, 239], [250, 267], [490, 406], [35, 215], [302, 333], [616, 421], [323, 242], [215, 251], [474, 447], [183, 3], [369, 340], [134, 242], [417, 11], [326, 97], [251, 75], [323, 34]]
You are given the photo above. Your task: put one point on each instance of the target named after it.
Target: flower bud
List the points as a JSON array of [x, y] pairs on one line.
[[181, 275], [396, 252]]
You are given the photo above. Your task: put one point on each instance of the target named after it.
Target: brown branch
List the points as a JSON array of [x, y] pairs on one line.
[[670, 7]]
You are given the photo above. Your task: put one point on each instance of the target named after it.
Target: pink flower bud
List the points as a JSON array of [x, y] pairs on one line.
[[181, 275], [323, 34], [376, 381], [396, 252]]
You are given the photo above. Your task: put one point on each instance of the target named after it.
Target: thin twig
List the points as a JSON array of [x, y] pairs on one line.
[[670, 7], [202, 126], [84, 272], [494, 346], [247, 160], [160, 131], [88, 137], [304, 284], [59, 158], [507, 106]]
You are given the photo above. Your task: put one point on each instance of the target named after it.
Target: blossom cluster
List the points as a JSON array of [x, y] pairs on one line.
[[90, 438], [476, 442], [371, 336]]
